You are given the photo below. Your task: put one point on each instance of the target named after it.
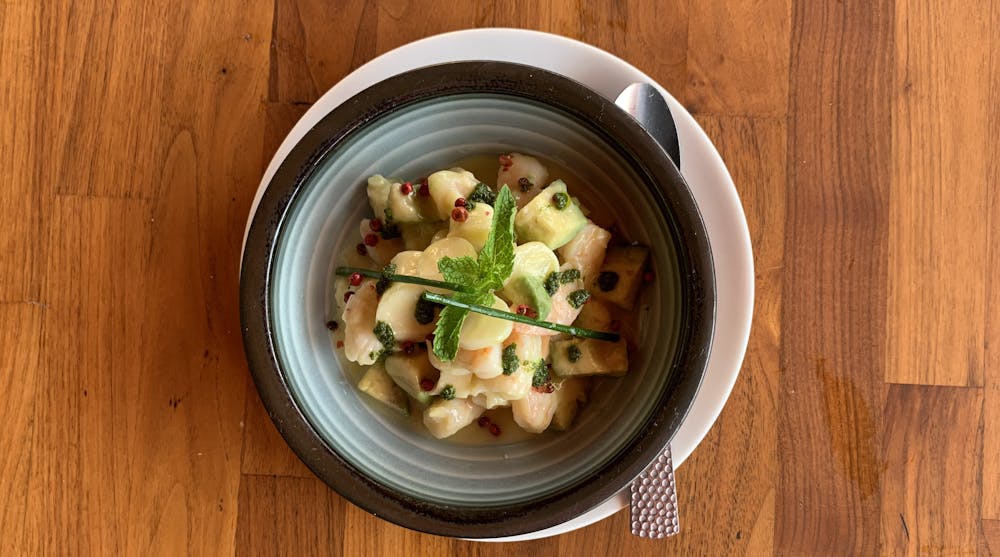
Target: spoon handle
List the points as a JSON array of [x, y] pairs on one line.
[[653, 501]]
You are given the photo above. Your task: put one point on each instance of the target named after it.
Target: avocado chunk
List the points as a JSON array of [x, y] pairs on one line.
[[409, 370], [530, 291], [576, 357], [620, 276], [551, 217], [377, 384]]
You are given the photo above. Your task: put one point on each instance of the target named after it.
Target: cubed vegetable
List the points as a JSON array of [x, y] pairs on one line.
[[575, 357], [409, 371], [621, 275], [377, 384], [546, 219]]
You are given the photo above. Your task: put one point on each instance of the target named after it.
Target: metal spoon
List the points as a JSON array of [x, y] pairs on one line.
[[653, 494], [649, 107]]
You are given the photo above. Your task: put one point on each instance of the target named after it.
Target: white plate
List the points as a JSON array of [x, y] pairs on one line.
[[702, 166]]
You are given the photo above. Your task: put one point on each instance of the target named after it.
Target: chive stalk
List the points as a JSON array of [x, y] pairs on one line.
[[347, 271], [491, 312]]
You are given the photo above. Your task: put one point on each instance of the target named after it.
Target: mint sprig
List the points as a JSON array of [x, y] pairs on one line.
[[480, 276]]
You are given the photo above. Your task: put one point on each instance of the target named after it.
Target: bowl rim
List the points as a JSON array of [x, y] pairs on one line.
[[644, 155]]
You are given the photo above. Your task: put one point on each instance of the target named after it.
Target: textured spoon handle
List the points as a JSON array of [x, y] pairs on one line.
[[653, 506]]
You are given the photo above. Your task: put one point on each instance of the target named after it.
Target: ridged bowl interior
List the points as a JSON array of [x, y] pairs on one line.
[[322, 220]]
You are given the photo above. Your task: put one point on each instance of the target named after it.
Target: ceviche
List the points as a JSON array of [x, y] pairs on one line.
[[464, 297]]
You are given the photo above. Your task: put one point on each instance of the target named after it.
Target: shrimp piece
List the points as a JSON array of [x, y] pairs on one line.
[[586, 250], [444, 418], [524, 175], [360, 343], [534, 412], [484, 363]]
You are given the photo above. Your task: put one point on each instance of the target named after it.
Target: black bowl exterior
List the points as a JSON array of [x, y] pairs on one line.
[[622, 133]]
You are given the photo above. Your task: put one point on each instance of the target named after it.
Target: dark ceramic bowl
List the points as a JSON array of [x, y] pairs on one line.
[[410, 125]]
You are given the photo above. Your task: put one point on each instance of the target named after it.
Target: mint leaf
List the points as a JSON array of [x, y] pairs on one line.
[[496, 259], [449, 324], [460, 270], [483, 275]]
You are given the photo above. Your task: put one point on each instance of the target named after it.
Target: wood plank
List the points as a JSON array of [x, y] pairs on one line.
[[157, 348], [305, 63], [991, 368], [403, 21], [933, 455], [144, 319], [630, 29], [116, 103], [21, 204], [613, 537], [990, 543], [264, 450], [726, 55], [19, 381], [107, 97], [942, 151], [833, 295], [316, 44], [364, 534], [287, 516], [78, 453]]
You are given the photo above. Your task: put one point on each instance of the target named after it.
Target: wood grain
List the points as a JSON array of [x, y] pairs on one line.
[[939, 193], [21, 202], [755, 54], [861, 138], [20, 375], [269, 505], [312, 48], [990, 543], [991, 375], [930, 504], [834, 281]]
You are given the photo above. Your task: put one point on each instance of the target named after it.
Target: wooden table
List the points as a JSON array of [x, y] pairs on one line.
[[862, 137]]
